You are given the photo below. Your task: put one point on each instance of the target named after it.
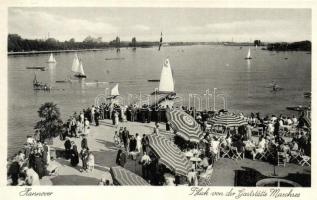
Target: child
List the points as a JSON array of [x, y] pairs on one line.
[[91, 162]]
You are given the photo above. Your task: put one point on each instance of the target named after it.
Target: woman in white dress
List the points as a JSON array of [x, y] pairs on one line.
[[116, 118], [86, 127], [260, 148], [138, 142]]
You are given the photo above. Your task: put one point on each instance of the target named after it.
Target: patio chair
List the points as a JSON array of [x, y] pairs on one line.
[[225, 152], [270, 152], [261, 155], [236, 154], [296, 156], [304, 160], [281, 159]]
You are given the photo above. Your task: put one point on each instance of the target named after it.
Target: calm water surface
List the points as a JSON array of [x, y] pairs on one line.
[[196, 68]]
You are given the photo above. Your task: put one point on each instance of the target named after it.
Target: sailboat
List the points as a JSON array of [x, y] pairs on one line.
[[161, 41], [114, 92], [78, 68], [248, 55], [166, 81], [51, 59]]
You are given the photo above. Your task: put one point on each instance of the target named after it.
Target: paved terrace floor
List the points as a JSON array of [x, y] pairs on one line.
[[227, 172]]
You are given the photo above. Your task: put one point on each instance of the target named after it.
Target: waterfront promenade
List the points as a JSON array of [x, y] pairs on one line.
[[100, 142]]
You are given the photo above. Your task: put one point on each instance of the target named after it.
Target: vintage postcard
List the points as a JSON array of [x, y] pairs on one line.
[[213, 100]]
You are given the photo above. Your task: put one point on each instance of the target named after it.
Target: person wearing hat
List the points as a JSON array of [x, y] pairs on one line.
[[96, 117]]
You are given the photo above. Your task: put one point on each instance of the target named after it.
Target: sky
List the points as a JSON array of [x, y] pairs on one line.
[[177, 24]]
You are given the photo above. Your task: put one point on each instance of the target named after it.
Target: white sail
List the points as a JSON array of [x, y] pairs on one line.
[[166, 81], [249, 54], [115, 90], [51, 59], [75, 66], [81, 69]]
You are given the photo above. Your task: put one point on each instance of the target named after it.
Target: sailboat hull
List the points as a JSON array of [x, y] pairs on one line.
[[80, 76], [247, 58]]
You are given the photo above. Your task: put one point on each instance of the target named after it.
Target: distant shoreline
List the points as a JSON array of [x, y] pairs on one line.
[[52, 51]]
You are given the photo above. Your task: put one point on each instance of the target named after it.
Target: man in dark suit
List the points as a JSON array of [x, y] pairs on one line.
[[125, 136]]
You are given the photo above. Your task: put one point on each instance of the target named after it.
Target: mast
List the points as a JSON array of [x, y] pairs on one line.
[[161, 41]]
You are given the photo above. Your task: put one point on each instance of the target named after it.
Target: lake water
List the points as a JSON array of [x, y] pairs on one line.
[[196, 69]]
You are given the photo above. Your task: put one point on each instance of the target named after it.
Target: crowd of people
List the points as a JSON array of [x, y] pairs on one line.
[[32, 163]]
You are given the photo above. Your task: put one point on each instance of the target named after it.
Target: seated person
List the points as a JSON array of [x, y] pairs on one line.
[[260, 148], [239, 144]]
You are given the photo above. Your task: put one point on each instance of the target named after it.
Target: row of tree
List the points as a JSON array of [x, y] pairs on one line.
[[295, 46], [18, 44]]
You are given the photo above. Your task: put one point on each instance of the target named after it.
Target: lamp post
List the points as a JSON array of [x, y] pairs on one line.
[[215, 99], [189, 96], [140, 100], [155, 98], [208, 99]]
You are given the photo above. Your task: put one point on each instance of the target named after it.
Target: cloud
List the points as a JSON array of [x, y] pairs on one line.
[[37, 24]]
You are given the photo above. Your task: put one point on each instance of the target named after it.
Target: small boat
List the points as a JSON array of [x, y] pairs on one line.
[[61, 81], [297, 108], [153, 80], [114, 92], [78, 68], [114, 58], [37, 67], [307, 94], [285, 58], [51, 59], [248, 55], [40, 86]]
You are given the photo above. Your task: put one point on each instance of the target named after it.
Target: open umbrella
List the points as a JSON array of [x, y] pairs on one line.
[[169, 154], [184, 125], [125, 177], [228, 120]]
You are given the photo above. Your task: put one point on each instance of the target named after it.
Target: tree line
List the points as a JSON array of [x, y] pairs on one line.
[[295, 46], [18, 44]]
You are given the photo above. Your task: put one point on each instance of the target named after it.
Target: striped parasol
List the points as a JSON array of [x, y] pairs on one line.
[[169, 154], [228, 120], [125, 177], [184, 125], [307, 117]]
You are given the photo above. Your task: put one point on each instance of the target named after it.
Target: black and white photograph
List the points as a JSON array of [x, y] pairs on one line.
[[159, 96]]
